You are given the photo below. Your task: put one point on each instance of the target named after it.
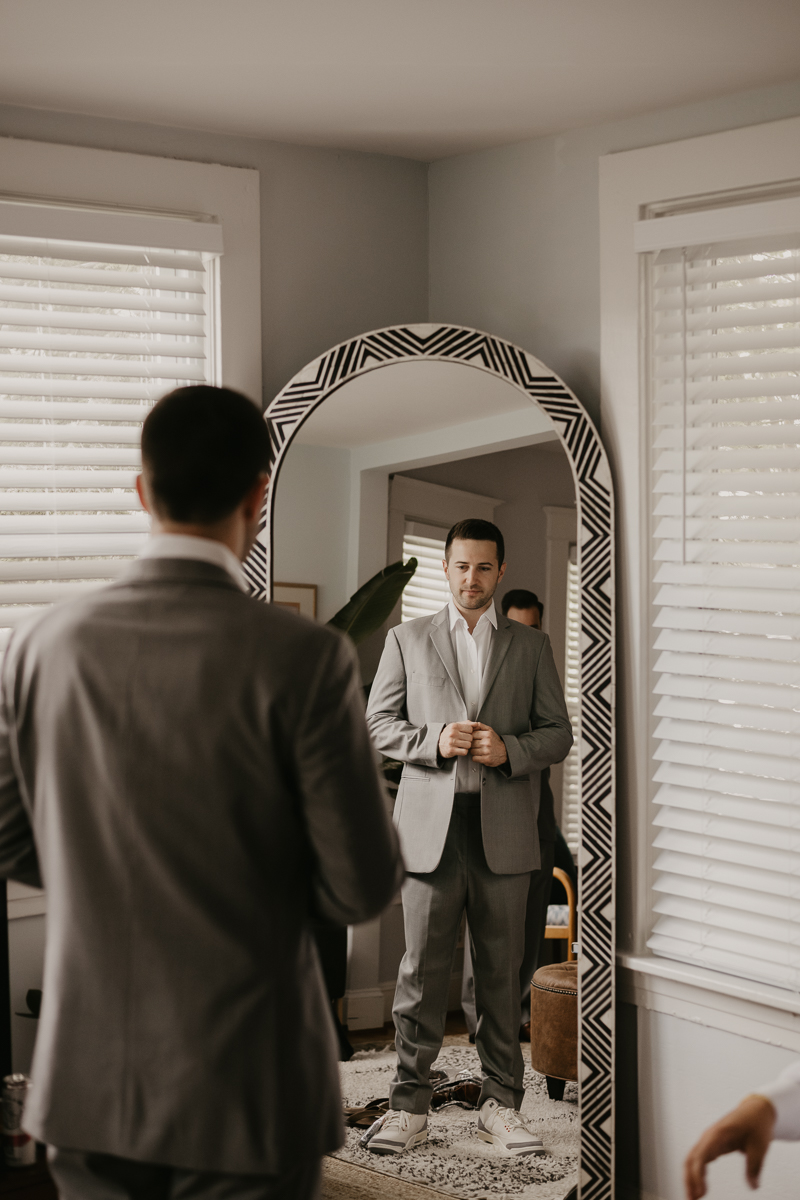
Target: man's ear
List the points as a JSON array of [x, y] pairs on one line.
[[141, 493], [501, 572], [253, 500]]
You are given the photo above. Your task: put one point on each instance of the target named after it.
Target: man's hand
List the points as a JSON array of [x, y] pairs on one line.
[[488, 748], [455, 740], [748, 1128]]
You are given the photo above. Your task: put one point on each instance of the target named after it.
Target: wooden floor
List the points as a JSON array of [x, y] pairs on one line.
[[345, 1181]]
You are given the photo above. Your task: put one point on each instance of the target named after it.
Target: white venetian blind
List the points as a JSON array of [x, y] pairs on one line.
[[571, 788], [726, 534], [427, 593], [90, 336]]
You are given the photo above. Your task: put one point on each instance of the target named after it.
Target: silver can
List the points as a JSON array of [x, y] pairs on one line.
[[19, 1147]]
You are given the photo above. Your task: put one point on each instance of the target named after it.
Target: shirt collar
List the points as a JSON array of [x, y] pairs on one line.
[[455, 616], [182, 545]]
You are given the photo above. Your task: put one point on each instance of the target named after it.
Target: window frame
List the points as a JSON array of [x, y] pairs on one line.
[[109, 181], [113, 181], [734, 167]]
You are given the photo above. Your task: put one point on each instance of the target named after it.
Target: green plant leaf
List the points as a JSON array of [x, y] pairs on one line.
[[366, 611]]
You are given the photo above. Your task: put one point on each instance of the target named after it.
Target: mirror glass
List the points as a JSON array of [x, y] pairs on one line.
[[378, 473]]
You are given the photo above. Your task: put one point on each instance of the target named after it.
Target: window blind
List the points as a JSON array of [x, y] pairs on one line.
[[427, 593], [571, 787], [725, 365], [90, 336]]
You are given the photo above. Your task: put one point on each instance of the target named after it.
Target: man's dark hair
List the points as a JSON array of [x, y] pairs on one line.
[[203, 448], [474, 530], [521, 598]]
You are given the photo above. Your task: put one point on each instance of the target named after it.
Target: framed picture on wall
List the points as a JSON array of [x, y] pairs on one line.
[[298, 597]]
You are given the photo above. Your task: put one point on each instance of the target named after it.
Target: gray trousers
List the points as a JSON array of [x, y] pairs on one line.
[[433, 905], [535, 922], [82, 1175]]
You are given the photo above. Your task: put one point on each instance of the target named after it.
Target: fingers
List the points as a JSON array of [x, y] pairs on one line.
[[694, 1174], [455, 740], [748, 1129], [754, 1160]]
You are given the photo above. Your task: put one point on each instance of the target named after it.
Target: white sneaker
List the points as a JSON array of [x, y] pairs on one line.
[[399, 1131], [506, 1128]]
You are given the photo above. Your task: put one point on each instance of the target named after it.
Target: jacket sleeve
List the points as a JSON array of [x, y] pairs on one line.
[[550, 737], [18, 859], [392, 732], [784, 1094], [357, 864]]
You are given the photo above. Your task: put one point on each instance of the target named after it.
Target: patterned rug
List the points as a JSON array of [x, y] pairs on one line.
[[453, 1159]]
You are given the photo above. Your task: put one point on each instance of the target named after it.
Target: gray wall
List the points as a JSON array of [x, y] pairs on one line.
[[515, 250], [525, 479], [343, 235], [343, 250], [514, 232]]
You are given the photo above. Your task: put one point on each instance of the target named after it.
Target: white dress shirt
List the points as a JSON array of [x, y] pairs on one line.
[[472, 654], [183, 545], [784, 1092]]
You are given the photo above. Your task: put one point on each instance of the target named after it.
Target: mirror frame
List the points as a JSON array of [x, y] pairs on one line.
[[595, 512]]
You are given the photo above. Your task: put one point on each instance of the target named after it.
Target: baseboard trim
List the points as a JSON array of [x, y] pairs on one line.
[[371, 1008]]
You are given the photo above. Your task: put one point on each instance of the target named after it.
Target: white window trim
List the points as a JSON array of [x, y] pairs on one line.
[[433, 504], [95, 189], [734, 162], [157, 190]]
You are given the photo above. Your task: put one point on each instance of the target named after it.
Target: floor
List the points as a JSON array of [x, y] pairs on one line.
[[345, 1181], [27, 1183], [340, 1181]]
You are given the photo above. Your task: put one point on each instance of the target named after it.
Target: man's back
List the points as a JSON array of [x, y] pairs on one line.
[[199, 777]]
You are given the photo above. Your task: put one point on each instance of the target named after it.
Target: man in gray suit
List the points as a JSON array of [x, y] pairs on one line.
[[189, 773], [472, 704]]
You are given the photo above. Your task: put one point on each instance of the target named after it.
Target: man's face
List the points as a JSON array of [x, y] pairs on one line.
[[473, 573], [525, 616]]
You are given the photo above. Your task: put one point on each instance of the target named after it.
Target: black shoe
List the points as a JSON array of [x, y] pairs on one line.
[[472, 1039]]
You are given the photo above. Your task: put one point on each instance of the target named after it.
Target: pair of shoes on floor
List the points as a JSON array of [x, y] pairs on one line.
[[399, 1131], [464, 1090]]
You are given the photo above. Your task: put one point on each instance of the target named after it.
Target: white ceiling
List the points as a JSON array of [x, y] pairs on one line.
[[410, 398], [420, 78]]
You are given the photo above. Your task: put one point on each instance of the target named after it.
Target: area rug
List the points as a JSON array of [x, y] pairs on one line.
[[454, 1160]]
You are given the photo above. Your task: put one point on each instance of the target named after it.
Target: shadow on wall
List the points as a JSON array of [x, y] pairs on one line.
[[626, 1118]]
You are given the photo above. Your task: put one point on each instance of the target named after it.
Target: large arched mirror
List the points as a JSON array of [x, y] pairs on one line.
[[381, 444]]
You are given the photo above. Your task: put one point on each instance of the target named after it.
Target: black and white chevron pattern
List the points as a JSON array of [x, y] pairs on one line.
[[449, 343]]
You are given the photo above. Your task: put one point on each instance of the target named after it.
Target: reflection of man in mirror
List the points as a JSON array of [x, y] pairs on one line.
[[191, 770], [525, 607], [472, 704]]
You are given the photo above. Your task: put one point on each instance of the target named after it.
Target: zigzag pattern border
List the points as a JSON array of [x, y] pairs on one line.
[[452, 343]]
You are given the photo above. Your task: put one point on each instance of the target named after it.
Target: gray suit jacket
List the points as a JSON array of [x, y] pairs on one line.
[[417, 691], [192, 770]]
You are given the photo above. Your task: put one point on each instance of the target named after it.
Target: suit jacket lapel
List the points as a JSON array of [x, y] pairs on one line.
[[499, 649], [440, 636]]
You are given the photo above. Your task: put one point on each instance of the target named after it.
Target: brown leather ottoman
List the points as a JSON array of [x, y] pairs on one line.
[[554, 1025]]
